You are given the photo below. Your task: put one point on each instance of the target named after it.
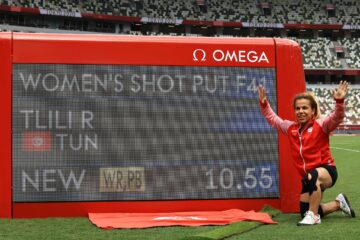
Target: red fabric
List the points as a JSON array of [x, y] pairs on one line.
[[145, 220]]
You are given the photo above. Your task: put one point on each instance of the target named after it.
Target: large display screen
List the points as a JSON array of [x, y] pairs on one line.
[[124, 132]]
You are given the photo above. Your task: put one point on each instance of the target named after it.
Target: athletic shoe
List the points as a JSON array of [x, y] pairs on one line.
[[310, 219], [345, 205]]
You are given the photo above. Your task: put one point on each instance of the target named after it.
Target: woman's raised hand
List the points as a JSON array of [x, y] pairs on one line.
[[262, 94], [341, 90]]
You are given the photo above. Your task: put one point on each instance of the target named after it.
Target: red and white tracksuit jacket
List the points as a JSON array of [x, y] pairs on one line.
[[310, 148]]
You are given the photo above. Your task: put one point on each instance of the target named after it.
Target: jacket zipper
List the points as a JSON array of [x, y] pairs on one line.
[[302, 157]]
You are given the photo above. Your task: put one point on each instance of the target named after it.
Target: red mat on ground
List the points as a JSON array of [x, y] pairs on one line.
[[145, 220]]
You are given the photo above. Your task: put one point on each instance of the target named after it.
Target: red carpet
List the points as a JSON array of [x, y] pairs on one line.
[[145, 220]]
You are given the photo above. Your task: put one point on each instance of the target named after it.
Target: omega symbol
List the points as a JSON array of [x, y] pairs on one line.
[[199, 53]]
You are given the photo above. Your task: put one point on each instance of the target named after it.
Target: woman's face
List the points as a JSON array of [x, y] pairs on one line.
[[303, 111]]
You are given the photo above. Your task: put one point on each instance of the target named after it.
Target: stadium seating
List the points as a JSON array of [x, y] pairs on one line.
[[279, 11], [352, 48], [325, 96], [319, 53]]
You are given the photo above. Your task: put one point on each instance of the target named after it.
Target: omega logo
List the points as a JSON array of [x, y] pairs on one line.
[[199, 53], [242, 56]]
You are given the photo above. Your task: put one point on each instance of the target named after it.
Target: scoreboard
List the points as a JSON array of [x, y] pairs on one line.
[[112, 123]]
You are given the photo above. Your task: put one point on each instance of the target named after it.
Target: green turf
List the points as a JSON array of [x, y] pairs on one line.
[[335, 226]]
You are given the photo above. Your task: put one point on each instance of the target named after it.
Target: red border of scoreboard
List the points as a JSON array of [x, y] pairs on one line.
[[284, 55]]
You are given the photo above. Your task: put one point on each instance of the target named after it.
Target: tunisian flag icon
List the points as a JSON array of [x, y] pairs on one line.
[[36, 141]]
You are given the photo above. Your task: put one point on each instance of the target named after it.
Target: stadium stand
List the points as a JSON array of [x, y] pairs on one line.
[[325, 96], [352, 50], [320, 53], [272, 11]]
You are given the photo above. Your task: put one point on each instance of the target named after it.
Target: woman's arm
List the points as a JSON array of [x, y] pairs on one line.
[[331, 122], [271, 117]]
